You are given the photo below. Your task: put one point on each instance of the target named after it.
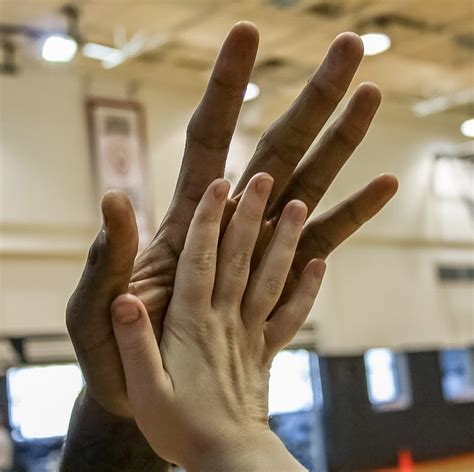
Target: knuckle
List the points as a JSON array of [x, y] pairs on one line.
[[202, 263], [349, 137], [204, 330], [286, 240], [231, 335], [251, 216], [207, 218], [285, 152], [273, 286], [324, 245], [354, 215], [240, 263], [205, 138], [136, 349], [309, 190], [327, 90]]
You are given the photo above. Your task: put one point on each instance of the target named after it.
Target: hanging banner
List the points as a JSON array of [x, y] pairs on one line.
[[118, 151]]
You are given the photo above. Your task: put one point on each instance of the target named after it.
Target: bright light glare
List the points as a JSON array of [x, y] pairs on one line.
[[290, 383], [251, 92], [380, 369], [445, 179], [40, 399], [114, 59], [467, 128], [59, 49], [375, 43], [98, 51], [452, 178]]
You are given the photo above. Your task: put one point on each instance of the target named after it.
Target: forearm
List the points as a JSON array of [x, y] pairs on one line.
[[248, 453], [100, 442]]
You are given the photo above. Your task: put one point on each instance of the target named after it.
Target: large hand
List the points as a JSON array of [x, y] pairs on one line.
[[208, 138]]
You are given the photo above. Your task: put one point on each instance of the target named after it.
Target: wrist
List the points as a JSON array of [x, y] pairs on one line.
[[98, 440], [251, 451]]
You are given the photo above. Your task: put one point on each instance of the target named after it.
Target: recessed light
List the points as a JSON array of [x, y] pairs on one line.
[[251, 92], [59, 49], [375, 43], [467, 128]]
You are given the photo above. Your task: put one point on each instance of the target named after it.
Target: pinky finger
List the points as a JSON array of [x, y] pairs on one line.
[[282, 327]]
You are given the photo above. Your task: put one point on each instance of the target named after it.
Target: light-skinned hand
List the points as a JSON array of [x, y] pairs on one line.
[[200, 394]]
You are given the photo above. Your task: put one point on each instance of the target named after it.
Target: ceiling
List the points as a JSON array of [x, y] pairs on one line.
[[431, 55]]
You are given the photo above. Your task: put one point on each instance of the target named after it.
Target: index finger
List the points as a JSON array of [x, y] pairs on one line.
[[197, 263]]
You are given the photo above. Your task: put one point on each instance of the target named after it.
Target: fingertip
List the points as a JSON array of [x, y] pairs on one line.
[[127, 309], [349, 43], [220, 188], [388, 182], [115, 202], [370, 91], [390, 179], [378, 193], [297, 210], [317, 268], [119, 218], [246, 30], [241, 44], [365, 103], [262, 182]]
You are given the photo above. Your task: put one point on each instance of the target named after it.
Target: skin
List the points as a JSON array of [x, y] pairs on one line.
[[200, 395], [111, 268]]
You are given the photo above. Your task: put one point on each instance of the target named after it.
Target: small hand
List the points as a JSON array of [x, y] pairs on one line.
[[200, 394]]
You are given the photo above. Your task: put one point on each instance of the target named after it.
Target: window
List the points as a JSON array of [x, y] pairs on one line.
[[294, 405], [40, 399], [387, 379], [290, 383], [457, 374]]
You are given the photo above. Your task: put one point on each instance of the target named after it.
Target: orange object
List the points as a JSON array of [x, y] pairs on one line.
[[405, 461]]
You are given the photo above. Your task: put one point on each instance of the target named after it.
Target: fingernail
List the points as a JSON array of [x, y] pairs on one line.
[[264, 185], [221, 190], [298, 213], [126, 313]]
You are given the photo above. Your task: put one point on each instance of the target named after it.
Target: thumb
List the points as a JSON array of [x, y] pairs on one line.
[[141, 358], [107, 272]]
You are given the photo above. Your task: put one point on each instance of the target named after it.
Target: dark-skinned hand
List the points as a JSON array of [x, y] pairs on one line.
[[111, 268]]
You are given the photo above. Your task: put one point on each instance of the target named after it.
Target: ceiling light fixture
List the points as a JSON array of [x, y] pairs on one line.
[[59, 49], [98, 51], [251, 92], [467, 128], [375, 43]]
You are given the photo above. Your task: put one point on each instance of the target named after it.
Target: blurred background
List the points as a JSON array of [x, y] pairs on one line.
[[96, 94]]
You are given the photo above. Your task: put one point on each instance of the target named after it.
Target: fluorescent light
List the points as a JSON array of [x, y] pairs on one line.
[[444, 102], [59, 49], [114, 59], [467, 128], [251, 92], [98, 51], [375, 43]]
